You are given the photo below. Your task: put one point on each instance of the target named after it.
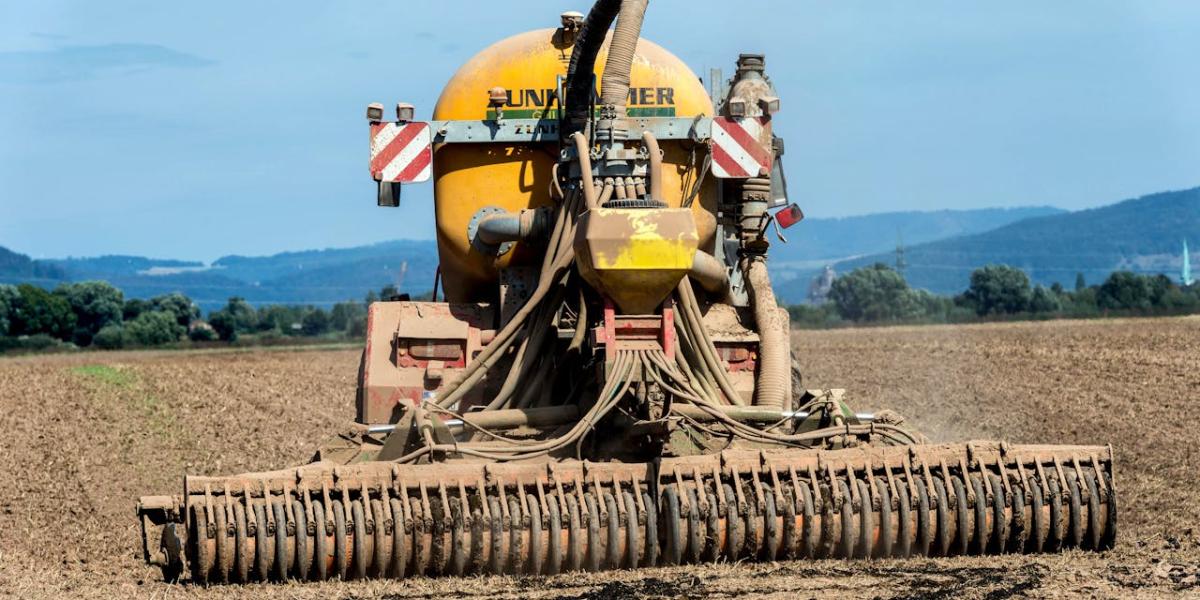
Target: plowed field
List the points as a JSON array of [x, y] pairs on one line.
[[85, 434]]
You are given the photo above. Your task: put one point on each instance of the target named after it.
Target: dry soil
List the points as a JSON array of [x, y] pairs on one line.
[[85, 434]]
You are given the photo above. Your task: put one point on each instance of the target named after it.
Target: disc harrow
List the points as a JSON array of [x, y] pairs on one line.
[[379, 520]]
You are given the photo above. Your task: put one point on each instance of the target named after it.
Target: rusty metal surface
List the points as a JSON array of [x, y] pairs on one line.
[[388, 520]]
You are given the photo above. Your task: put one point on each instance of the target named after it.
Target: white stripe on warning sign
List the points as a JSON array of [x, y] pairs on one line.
[[738, 149], [725, 142], [401, 152], [385, 137], [406, 157]]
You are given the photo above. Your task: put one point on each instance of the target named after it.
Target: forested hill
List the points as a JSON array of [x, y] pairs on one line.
[[16, 268], [825, 238], [1143, 235]]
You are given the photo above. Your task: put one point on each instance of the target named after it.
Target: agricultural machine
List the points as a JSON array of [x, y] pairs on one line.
[[607, 381]]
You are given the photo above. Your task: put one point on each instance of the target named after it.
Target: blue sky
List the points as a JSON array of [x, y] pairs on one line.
[[194, 130]]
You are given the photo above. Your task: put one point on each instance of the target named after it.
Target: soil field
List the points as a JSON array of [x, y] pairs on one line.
[[86, 434]]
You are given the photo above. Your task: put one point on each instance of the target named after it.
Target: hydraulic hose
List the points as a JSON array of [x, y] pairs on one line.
[[773, 388]]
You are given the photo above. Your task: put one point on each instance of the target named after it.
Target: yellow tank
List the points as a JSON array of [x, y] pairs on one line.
[[468, 177]]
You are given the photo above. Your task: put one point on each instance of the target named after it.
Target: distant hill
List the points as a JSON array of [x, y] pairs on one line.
[[338, 266], [1143, 235], [815, 243], [104, 267], [815, 239], [942, 248], [19, 268], [318, 277]]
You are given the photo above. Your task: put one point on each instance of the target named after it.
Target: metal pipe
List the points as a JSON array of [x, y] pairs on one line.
[[513, 227], [709, 272]]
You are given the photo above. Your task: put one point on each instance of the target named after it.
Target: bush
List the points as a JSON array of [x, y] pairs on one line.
[[998, 290], [33, 343], [874, 293], [202, 332], [154, 328], [809, 316], [110, 337]]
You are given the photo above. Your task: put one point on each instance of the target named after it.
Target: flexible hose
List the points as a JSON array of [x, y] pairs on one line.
[[583, 150], [774, 385], [614, 85], [583, 61], [656, 163]]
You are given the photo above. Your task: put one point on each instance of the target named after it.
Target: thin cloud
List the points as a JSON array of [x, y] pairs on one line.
[[77, 63]]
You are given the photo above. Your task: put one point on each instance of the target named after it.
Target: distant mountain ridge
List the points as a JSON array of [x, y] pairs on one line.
[[1143, 235], [817, 242], [941, 248]]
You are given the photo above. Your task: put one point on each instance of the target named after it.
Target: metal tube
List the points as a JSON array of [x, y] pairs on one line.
[[513, 227], [709, 272]]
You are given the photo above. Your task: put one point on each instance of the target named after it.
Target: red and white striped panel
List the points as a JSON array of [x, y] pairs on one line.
[[738, 147], [401, 152]]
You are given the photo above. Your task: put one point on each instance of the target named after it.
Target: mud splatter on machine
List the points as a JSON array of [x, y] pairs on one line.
[[608, 382]]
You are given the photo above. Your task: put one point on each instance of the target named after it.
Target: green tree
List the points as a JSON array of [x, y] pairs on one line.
[[998, 289], [281, 318], [38, 311], [135, 307], [175, 303], [388, 292], [95, 304], [315, 322], [154, 328], [237, 313], [344, 314], [1080, 282], [1124, 290], [874, 293], [8, 299], [224, 324], [1044, 301]]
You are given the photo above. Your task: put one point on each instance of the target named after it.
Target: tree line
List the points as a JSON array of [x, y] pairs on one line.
[[879, 294], [95, 314]]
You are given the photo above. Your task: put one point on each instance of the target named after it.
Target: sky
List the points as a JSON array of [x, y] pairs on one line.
[[196, 130]]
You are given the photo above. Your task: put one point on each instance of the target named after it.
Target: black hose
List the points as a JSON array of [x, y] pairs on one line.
[[583, 62]]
